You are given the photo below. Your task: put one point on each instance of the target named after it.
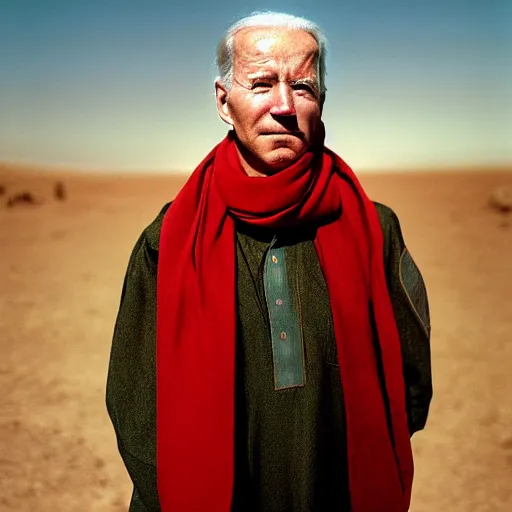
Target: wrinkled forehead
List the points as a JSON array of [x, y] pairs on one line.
[[283, 48]]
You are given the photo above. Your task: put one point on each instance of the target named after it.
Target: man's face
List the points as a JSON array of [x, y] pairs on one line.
[[274, 102]]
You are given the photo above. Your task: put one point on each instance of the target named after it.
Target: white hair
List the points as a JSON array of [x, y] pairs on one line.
[[226, 50]]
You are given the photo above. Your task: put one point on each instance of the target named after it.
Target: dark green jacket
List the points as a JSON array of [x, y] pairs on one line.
[[131, 384]]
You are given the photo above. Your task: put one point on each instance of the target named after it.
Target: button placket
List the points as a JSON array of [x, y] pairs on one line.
[[285, 331]]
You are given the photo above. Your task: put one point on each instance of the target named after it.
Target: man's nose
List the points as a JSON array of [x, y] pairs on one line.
[[283, 104]]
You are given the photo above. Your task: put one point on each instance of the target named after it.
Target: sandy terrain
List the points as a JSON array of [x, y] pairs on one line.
[[61, 270]]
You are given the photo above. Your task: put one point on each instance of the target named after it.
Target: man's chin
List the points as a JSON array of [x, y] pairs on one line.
[[280, 158]]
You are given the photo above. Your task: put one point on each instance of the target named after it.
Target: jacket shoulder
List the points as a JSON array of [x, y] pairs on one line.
[[383, 210], [388, 218], [391, 230], [152, 232]]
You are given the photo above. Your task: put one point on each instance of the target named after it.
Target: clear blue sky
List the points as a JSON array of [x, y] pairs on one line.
[[128, 84]]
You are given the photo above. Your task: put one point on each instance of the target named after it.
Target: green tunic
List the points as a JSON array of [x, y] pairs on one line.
[[289, 442]]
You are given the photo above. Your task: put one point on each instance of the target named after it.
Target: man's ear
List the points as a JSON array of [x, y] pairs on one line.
[[221, 96]]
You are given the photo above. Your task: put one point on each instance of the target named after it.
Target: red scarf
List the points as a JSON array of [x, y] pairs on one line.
[[196, 316]]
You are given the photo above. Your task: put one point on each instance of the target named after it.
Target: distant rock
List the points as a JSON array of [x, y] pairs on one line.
[[501, 199], [2, 190], [59, 191], [21, 198]]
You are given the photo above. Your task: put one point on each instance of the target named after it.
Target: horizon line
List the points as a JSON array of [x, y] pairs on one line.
[[78, 169]]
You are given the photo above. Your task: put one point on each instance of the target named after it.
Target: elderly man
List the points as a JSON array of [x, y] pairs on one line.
[[271, 351]]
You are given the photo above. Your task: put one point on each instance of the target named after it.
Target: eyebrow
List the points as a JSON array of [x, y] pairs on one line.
[[310, 81], [271, 75], [261, 74]]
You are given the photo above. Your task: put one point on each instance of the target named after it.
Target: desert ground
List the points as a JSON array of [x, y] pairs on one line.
[[62, 263]]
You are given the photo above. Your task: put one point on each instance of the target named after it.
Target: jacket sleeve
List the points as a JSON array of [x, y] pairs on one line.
[[131, 380], [408, 295]]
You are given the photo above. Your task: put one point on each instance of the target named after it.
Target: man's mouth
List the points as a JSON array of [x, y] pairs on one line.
[[298, 134]]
